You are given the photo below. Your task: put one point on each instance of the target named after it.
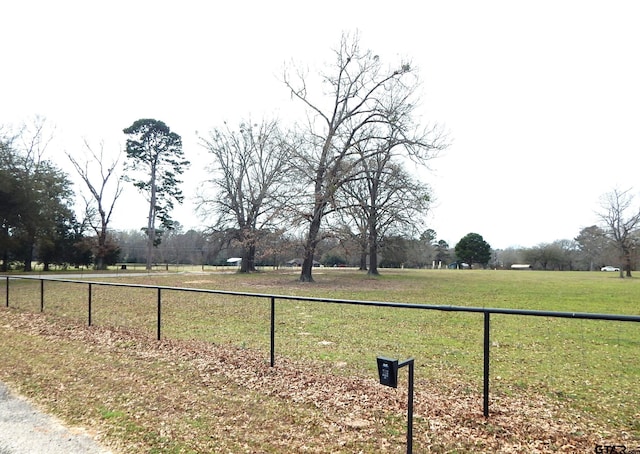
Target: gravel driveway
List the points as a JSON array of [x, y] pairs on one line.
[[25, 430]]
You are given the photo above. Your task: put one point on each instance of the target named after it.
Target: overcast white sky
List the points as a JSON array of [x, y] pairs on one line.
[[541, 99]]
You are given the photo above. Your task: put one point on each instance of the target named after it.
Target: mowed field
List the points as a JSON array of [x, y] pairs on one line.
[[556, 384]]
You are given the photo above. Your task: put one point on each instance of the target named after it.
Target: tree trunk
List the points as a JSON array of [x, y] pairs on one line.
[[152, 233], [252, 258], [309, 251], [248, 254], [28, 257], [625, 262], [248, 263], [99, 263], [373, 259], [363, 261], [311, 243], [244, 263], [307, 267], [151, 220], [373, 243], [627, 265]]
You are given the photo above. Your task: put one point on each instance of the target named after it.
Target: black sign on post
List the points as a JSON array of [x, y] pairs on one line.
[[388, 374], [388, 371]]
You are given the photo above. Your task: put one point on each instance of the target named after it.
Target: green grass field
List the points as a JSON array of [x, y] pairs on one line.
[[590, 366]]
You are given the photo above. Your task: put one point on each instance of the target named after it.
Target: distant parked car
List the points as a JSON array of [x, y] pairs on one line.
[[609, 268]]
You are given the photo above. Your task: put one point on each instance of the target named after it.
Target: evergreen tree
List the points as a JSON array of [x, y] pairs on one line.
[[472, 248], [156, 161]]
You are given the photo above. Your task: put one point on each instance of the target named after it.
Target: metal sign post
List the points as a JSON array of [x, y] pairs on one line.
[[388, 375]]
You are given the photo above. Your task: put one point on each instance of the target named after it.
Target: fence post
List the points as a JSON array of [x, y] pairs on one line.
[[159, 311], [487, 346], [7, 291], [89, 301], [273, 330], [41, 295], [410, 409]]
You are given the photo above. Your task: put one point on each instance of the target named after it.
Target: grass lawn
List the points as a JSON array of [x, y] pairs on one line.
[[555, 383]]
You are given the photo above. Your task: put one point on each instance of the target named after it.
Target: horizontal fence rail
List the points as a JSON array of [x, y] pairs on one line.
[[486, 311]]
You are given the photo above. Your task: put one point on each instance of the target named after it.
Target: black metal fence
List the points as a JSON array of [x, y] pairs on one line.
[[485, 311]]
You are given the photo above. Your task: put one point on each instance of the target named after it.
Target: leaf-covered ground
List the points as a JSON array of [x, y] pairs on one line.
[[140, 395]]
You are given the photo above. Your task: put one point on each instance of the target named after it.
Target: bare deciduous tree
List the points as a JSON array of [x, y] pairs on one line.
[[360, 100], [621, 219], [251, 168], [384, 199], [101, 202]]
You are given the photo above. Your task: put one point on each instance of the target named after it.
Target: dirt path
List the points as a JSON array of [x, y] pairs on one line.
[[24, 429]]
